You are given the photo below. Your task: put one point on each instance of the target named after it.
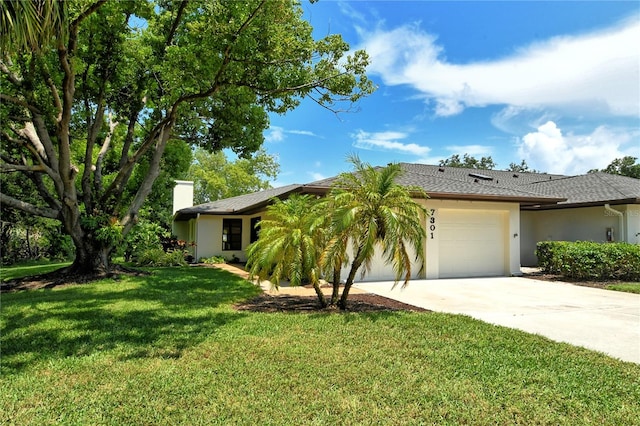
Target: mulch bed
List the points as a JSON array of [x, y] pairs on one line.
[[356, 303]]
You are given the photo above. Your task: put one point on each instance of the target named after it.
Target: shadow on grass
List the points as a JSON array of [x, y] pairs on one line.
[[135, 317]]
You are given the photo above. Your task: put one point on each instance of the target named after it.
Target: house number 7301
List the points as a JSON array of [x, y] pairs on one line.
[[432, 222]]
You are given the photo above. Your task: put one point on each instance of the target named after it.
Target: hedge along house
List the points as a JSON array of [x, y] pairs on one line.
[[482, 222]]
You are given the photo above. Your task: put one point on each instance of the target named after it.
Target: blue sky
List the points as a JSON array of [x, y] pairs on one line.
[[554, 83]]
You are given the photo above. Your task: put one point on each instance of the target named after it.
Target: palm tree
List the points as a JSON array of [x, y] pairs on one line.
[[290, 244], [372, 212], [28, 25]]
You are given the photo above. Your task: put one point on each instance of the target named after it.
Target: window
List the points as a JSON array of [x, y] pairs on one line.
[[255, 229], [231, 234]]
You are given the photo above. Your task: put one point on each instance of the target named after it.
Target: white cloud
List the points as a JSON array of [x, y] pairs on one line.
[[316, 176], [596, 71], [387, 141], [302, 132], [278, 134], [549, 150]]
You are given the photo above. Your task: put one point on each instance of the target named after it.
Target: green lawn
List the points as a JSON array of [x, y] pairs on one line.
[[170, 349], [626, 287], [30, 268]]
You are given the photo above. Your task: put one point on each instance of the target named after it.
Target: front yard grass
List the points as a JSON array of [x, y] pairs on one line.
[[29, 268], [626, 287], [170, 349]]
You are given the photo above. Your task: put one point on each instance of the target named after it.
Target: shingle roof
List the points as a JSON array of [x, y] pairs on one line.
[[529, 189], [238, 204], [452, 182], [592, 188]]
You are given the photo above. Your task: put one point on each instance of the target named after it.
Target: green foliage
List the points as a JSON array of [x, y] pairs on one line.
[[625, 287], [625, 166], [303, 238], [584, 260], [157, 257], [371, 211], [288, 247], [484, 163], [523, 167], [144, 235], [215, 177], [213, 260], [291, 243], [99, 113], [169, 348]]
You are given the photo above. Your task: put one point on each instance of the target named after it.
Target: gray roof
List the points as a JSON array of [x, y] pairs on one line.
[[239, 204], [592, 188], [531, 190], [455, 182]]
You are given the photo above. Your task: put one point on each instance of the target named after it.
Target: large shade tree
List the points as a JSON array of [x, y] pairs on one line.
[[94, 90]]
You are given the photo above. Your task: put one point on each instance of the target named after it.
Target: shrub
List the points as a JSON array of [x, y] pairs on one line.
[[155, 256], [212, 260], [585, 260]]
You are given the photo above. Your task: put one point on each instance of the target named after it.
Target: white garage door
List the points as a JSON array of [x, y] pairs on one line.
[[471, 243]]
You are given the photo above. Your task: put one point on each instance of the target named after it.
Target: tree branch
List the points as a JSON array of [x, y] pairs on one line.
[[97, 176], [28, 207], [20, 102], [52, 88], [88, 11], [176, 22], [13, 78], [9, 167]]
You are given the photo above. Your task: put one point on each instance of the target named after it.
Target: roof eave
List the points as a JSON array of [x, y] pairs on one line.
[[583, 204], [496, 198]]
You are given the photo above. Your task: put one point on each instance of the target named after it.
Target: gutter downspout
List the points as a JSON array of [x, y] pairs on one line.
[[195, 238], [620, 215]]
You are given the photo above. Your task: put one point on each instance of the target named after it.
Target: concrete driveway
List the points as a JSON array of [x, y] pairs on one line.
[[602, 320]]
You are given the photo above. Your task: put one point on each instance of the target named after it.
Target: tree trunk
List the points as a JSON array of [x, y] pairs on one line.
[[92, 259], [335, 295], [320, 294], [355, 265]]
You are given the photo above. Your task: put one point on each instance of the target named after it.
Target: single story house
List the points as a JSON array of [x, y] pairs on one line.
[[482, 222]]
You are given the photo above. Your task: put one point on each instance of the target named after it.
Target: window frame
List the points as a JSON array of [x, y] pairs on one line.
[[231, 240]]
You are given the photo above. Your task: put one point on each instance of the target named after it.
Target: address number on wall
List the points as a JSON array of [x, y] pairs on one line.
[[432, 223]]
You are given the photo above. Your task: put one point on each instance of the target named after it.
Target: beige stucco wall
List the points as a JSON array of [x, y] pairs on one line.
[[209, 237], [577, 224]]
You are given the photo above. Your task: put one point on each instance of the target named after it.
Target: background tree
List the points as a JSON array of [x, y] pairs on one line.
[[523, 167], [95, 94], [485, 163], [371, 211], [625, 166], [216, 177]]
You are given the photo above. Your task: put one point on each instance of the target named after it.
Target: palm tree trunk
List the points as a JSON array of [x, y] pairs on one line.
[[347, 286], [320, 294], [335, 295]]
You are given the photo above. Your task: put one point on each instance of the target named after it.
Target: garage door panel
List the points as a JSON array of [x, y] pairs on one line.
[[471, 243]]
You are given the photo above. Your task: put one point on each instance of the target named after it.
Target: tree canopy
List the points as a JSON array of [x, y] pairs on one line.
[[216, 177], [94, 90], [485, 163], [625, 166]]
